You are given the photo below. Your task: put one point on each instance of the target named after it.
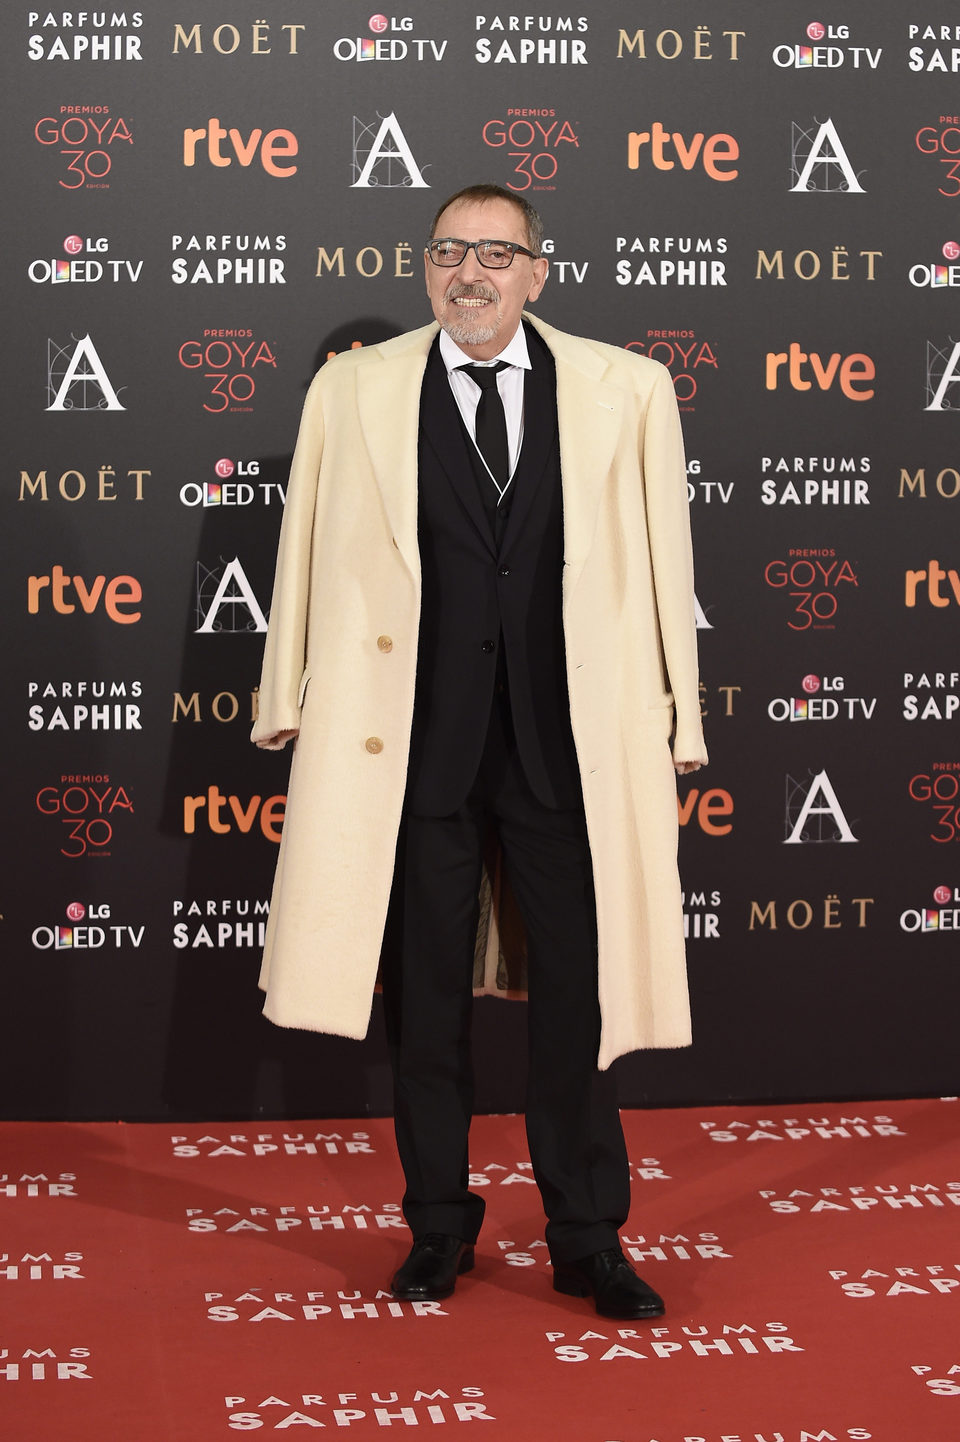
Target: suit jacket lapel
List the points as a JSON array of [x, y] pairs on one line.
[[539, 434], [443, 431]]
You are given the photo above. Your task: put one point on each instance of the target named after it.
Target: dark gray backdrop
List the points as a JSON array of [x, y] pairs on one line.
[[821, 956]]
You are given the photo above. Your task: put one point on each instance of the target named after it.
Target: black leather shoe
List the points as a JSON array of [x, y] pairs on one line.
[[609, 1278], [431, 1270]]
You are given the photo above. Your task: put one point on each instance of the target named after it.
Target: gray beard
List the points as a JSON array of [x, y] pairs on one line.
[[465, 332]]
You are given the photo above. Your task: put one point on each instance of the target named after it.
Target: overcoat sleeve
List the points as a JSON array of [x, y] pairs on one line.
[[671, 551], [284, 657]]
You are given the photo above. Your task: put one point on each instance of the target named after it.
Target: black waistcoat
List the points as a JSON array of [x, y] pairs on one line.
[[487, 585]]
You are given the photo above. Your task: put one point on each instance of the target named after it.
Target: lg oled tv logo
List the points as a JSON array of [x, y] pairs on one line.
[[824, 53], [385, 43]]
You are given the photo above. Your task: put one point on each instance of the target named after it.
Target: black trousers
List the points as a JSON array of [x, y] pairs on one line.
[[572, 1119]]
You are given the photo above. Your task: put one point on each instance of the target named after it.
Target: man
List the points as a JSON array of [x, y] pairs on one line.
[[483, 625]]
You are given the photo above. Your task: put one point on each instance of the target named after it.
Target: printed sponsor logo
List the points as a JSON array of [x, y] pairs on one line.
[[265, 1144], [84, 271], [228, 259], [118, 595], [931, 695], [41, 1267], [934, 275], [222, 707], [86, 930], [89, 138], [531, 40], [826, 56], [671, 260], [666, 150], [536, 139], [699, 44], [46, 1364], [382, 158], [64, 35], [938, 585], [382, 1407], [819, 163], [226, 492], [264, 39], [904, 1199], [815, 480], [88, 807], [89, 705], [810, 706], [37, 1184], [941, 141], [814, 816], [314, 1306], [385, 45], [701, 917], [946, 1385], [366, 262], [212, 925], [935, 55], [946, 483], [929, 1280], [823, 264], [803, 1129], [816, 579], [231, 361], [77, 379], [763, 1339], [274, 149], [942, 376], [73, 485], [830, 914], [938, 791]]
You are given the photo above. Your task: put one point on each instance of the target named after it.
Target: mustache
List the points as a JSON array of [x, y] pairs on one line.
[[478, 291]]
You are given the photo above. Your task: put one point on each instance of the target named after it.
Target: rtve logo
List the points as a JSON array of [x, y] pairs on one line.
[[269, 148], [854, 372], [716, 153], [934, 575], [118, 595]]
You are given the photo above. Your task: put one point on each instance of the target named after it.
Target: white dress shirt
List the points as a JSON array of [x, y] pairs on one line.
[[466, 392]]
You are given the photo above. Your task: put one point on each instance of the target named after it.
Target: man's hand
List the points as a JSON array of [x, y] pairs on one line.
[[683, 768]]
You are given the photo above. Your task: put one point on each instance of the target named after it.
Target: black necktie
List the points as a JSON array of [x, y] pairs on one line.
[[491, 425]]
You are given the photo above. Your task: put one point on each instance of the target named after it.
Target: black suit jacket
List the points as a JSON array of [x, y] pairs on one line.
[[483, 593]]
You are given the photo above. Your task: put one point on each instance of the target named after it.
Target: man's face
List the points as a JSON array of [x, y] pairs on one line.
[[480, 308]]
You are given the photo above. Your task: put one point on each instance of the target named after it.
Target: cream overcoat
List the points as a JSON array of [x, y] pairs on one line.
[[340, 665]]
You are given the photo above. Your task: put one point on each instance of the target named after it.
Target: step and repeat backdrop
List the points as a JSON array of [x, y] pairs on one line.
[[206, 200]]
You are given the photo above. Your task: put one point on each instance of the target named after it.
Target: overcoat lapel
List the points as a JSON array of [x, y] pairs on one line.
[[590, 418], [388, 401]]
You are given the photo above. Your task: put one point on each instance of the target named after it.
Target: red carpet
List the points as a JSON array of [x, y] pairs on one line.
[[198, 1282]]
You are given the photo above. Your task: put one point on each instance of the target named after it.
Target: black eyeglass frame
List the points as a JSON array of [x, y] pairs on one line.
[[474, 245]]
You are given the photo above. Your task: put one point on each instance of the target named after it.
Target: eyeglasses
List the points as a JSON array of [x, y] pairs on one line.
[[492, 254]]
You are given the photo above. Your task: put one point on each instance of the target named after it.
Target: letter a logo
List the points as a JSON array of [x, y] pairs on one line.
[[73, 388], [374, 164], [836, 173], [701, 616], [942, 371], [797, 828], [209, 606]]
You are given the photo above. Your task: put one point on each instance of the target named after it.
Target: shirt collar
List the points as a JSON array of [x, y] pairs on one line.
[[514, 353]]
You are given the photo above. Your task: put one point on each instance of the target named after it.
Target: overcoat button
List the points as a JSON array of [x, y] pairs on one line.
[[374, 745], [384, 643]]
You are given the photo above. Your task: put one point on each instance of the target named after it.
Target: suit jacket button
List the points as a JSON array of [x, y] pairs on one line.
[[374, 745], [488, 646], [504, 571], [384, 643]]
